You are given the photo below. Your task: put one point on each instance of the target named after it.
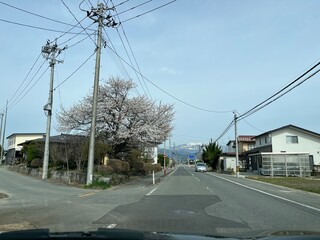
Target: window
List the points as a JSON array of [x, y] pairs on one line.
[[292, 139], [265, 139], [260, 141]]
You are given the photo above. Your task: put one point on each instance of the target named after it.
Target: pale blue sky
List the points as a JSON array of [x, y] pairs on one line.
[[219, 55]]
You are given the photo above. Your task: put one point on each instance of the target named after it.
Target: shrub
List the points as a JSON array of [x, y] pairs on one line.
[[104, 170], [156, 167], [119, 166], [36, 163]]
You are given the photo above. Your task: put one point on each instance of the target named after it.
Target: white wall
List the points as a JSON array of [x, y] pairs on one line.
[[17, 139], [306, 143], [264, 140], [229, 162]]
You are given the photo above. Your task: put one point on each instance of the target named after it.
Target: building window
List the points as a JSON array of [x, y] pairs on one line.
[[260, 141], [265, 139], [292, 139]]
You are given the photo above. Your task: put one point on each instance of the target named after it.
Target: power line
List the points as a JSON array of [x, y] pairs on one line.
[[77, 69], [35, 14], [154, 9], [73, 28], [139, 5], [78, 22], [35, 27], [121, 3], [24, 89], [76, 36], [225, 131], [134, 58], [25, 78], [278, 92], [188, 104], [281, 95], [17, 101]]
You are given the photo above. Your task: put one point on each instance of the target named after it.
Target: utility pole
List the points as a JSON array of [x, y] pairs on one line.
[[4, 133], [164, 159], [97, 15], [1, 115], [49, 53], [236, 140]]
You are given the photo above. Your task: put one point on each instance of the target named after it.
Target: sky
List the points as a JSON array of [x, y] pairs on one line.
[[216, 55]]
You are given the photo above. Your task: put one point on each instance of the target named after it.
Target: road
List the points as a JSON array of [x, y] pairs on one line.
[[184, 202]]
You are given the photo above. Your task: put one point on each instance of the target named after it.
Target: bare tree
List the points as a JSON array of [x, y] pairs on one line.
[[123, 120]]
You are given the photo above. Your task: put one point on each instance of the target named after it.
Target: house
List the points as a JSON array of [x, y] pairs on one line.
[[14, 149], [288, 150], [228, 158]]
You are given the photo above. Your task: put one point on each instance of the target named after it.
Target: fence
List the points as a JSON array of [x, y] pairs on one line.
[[281, 164]]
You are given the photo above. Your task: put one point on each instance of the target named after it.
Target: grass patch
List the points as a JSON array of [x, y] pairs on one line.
[[305, 184], [96, 184]]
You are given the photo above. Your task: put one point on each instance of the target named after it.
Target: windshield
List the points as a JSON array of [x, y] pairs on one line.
[[196, 117]]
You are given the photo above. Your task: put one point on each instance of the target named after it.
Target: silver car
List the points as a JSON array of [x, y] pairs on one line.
[[201, 167]]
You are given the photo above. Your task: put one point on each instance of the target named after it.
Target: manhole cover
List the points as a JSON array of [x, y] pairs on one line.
[[184, 212], [3, 195]]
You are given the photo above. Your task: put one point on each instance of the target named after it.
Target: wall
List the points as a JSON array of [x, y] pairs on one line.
[[17, 139], [306, 143], [229, 162]]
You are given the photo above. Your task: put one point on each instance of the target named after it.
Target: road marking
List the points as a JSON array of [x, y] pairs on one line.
[[87, 194], [197, 179], [110, 226], [269, 194], [210, 190], [149, 193], [172, 172]]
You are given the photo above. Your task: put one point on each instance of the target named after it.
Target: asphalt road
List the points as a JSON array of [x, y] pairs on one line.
[[184, 202]]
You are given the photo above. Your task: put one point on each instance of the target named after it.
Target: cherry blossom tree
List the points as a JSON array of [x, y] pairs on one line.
[[123, 120]]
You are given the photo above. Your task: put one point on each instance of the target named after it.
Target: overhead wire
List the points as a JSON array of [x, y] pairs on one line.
[[22, 96], [224, 131], [87, 36], [35, 14], [154, 9], [144, 87], [35, 27], [278, 92], [139, 5], [33, 65], [77, 69], [279, 96], [188, 104], [78, 21], [122, 3]]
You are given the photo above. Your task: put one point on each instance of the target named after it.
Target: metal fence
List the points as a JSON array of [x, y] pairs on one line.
[[286, 164]]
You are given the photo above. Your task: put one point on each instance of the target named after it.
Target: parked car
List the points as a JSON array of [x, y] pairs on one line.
[[201, 167]]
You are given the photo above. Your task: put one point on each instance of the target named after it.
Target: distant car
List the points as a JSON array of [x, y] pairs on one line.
[[201, 167]]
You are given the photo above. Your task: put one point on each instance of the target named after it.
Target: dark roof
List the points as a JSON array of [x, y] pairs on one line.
[[56, 139], [22, 134], [293, 127], [266, 148]]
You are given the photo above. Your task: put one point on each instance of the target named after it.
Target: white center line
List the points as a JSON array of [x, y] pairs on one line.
[[149, 193], [197, 179], [110, 226], [269, 194], [210, 190]]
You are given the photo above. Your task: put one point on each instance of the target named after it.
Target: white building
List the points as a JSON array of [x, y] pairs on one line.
[[288, 142], [14, 139]]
